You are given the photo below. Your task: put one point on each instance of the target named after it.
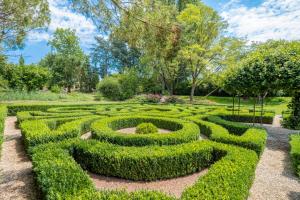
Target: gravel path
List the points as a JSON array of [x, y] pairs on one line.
[[174, 186], [274, 178], [16, 181]]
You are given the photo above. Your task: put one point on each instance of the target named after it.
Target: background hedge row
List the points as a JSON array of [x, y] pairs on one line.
[[3, 112]]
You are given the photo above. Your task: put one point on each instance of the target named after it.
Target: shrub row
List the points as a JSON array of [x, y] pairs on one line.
[[252, 138], [143, 163], [183, 131], [35, 115], [295, 152], [3, 112], [51, 130], [60, 177]]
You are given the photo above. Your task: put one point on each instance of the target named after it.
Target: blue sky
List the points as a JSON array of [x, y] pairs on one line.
[[255, 20]]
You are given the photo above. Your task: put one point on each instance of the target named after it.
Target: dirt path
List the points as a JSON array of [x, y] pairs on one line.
[[274, 178], [174, 186], [16, 180]]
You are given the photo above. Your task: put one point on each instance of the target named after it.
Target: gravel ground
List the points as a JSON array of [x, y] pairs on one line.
[[274, 178], [132, 130], [16, 181], [174, 186]]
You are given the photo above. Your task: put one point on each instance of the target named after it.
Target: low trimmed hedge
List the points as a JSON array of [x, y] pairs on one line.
[[143, 163], [233, 127], [267, 118], [52, 130], [60, 177], [252, 138], [3, 113], [295, 152], [183, 131]]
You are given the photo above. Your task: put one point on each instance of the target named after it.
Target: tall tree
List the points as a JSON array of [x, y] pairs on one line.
[[17, 17], [67, 60], [201, 27]]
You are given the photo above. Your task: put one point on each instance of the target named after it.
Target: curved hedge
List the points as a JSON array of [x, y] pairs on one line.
[[295, 152], [183, 131], [230, 174], [52, 130], [251, 138]]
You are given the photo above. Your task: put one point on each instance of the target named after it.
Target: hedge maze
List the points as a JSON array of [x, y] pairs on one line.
[[61, 158]]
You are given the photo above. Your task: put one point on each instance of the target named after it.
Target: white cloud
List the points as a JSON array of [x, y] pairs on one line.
[[64, 17], [272, 19]]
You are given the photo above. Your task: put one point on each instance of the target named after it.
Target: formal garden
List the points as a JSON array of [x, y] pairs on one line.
[[145, 100]]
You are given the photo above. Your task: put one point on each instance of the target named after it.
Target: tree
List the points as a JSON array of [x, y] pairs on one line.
[[201, 26], [67, 60], [21, 61], [113, 55], [18, 17]]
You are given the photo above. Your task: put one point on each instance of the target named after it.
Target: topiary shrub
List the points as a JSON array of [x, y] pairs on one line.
[[146, 128]]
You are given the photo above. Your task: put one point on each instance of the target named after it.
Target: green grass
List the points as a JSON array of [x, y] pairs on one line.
[[277, 104], [44, 96]]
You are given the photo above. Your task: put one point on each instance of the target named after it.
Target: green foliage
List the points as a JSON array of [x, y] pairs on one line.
[[182, 131], [142, 157], [120, 87], [43, 131], [146, 128], [55, 89], [67, 62], [3, 113], [252, 138], [295, 152], [28, 77], [110, 88], [19, 17]]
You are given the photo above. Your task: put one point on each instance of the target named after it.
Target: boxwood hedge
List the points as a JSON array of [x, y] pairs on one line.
[[252, 138], [3, 112], [230, 174], [295, 152], [51, 130], [182, 131]]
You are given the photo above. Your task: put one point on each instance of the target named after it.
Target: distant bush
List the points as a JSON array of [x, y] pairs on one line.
[[55, 89], [119, 87], [110, 88], [146, 128]]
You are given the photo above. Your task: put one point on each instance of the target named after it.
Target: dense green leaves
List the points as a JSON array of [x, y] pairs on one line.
[[295, 152]]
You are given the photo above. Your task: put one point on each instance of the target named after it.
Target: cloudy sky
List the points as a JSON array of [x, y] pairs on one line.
[[256, 20]]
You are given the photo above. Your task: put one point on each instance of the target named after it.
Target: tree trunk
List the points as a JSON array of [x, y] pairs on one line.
[[261, 110], [69, 89], [233, 99], [192, 92], [254, 106], [239, 107]]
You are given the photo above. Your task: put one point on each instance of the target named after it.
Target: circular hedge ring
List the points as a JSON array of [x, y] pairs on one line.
[[181, 131]]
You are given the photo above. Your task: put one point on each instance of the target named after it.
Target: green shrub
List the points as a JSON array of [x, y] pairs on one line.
[[146, 128], [183, 131], [3, 112], [110, 88], [252, 138], [37, 132], [230, 175], [55, 89], [295, 152]]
